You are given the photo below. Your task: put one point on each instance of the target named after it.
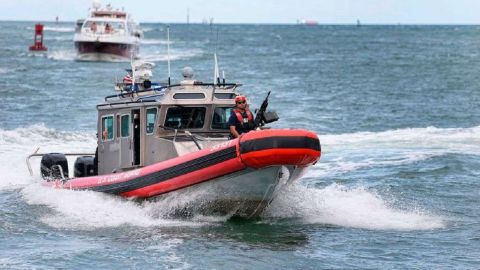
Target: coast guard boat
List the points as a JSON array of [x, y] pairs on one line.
[[107, 35], [159, 139]]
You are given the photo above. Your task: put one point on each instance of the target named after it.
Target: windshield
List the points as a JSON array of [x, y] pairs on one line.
[[103, 26], [185, 117], [220, 117]]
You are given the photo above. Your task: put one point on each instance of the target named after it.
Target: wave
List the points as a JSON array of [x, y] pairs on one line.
[[59, 29], [17, 144], [174, 55], [59, 38], [148, 29], [70, 55], [91, 210], [353, 151], [335, 204], [465, 140], [156, 41], [78, 209], [349, 207], [62, 55]]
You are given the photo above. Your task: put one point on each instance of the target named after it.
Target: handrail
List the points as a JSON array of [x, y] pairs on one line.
[[150, 96], [123, 102], [36, 154], [123, 94]]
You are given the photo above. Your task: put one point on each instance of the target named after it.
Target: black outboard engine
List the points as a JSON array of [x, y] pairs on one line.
[[54, 166], [84, 166]]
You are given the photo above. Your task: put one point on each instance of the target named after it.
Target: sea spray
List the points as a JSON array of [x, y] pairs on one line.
[[348, 207]]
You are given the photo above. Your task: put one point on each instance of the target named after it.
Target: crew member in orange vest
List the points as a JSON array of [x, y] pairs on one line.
[[241, 119]]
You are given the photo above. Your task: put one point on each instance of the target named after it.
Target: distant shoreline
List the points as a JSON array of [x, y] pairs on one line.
[[283, 24]]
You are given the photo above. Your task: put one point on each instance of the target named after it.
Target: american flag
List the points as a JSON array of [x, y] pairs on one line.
[[127, 78]]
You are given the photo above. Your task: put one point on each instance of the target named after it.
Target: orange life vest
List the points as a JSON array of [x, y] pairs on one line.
[[240, 118]]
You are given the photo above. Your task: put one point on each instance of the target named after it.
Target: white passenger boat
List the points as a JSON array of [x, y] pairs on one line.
[[107, 35]]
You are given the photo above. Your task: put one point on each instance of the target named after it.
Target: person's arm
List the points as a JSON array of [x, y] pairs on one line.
[[234, 131], [232, 121]]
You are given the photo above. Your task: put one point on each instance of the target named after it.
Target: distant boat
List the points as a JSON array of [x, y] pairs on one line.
[[107, 35], [358, 23], [307, 22]]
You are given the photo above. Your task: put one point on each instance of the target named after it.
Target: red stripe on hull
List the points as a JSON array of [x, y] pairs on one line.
[[189, 179], [295, 154]]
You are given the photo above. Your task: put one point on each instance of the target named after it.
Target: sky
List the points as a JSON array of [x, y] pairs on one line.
[[258, 11]]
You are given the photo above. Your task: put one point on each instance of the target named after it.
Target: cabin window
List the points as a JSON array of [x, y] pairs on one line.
[[125, 125], [185, 117], [151, 117], [107, 128], [189, 96], [225, 95], [220, 117]]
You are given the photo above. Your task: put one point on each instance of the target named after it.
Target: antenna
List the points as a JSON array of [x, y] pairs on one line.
[[216, 71], [216, 76], [133, 71], [168, 53]]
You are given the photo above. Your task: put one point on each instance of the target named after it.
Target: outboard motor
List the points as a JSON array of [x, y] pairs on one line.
[[54, 166], [84, 166]]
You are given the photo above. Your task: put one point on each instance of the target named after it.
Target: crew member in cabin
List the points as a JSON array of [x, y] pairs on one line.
[[93, 27], [241, 119], [108, 28]]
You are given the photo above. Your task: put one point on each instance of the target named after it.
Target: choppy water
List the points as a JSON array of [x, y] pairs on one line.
[[396, 107]]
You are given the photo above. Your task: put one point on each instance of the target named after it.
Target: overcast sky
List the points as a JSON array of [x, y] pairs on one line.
[[258, 11]]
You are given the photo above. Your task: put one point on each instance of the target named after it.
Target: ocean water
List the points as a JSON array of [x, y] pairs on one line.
[[397, 187]]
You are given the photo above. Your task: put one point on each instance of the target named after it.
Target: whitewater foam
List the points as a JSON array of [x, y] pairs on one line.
[[17, 144], [147, 29], [60, 38], [452, 140], [62, 55], [348, 207], [161, 56], [156, 41], [343, 153], [335, 204], [59, 29], [90, 210]]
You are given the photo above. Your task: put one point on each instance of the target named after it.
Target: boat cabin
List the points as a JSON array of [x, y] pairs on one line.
[[102, 26], [141, 127], [106, 21]]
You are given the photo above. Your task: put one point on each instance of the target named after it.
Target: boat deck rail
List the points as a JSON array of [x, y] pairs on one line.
[[36, 154], [126, 94]]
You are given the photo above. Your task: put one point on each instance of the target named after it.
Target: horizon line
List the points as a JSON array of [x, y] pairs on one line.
[[267, 23]]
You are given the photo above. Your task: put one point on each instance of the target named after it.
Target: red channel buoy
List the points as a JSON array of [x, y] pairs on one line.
[[38, 39]]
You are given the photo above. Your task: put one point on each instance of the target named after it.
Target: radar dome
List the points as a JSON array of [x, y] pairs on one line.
[[96, 4], [187, 73]]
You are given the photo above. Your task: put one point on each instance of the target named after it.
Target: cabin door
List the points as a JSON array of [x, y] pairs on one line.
[[136, 137], [125, 137]]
